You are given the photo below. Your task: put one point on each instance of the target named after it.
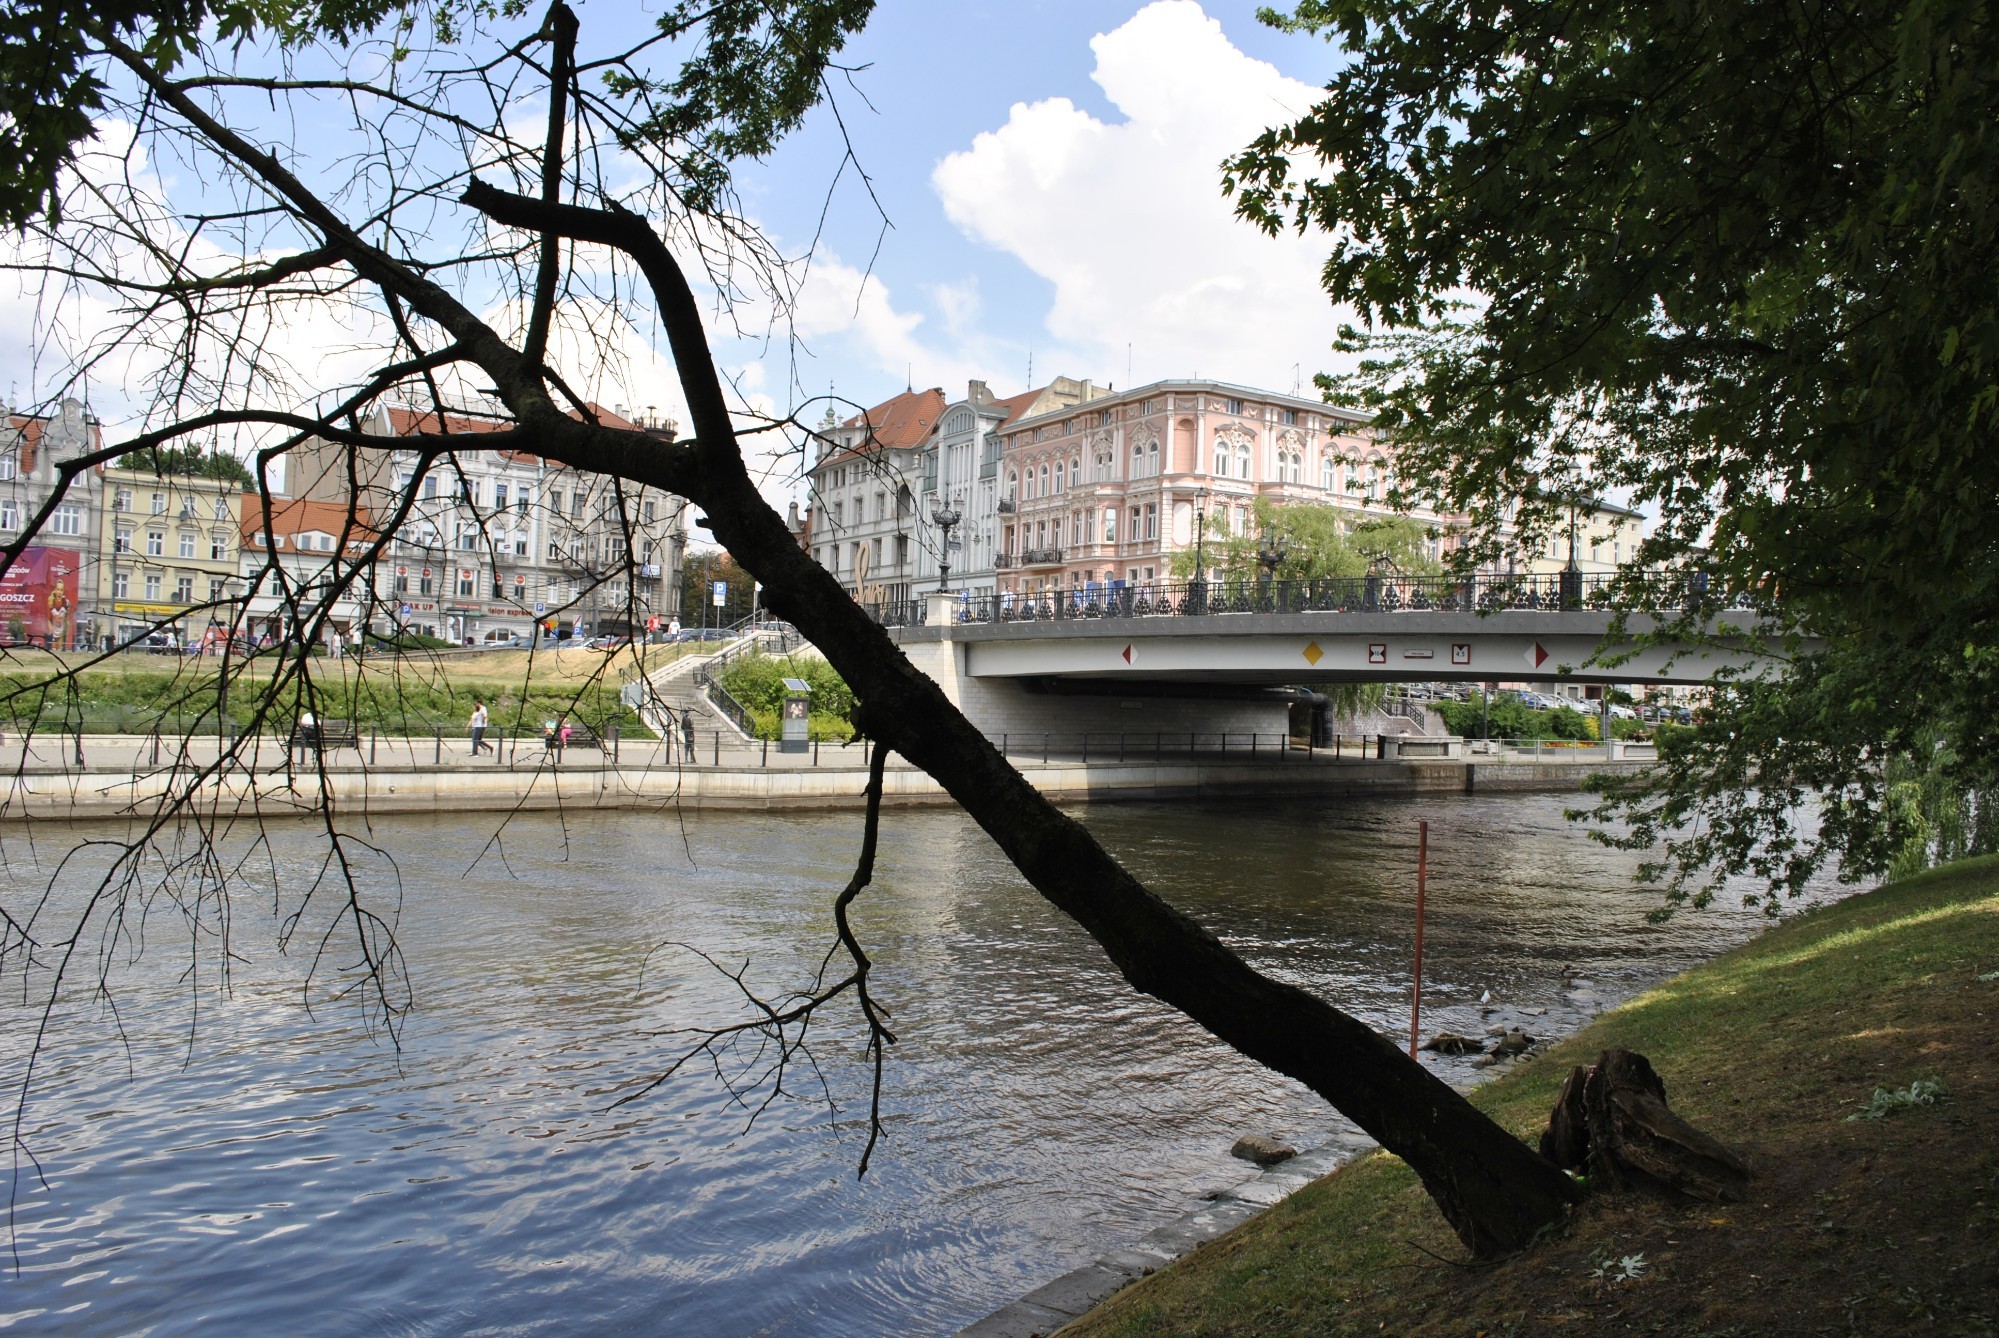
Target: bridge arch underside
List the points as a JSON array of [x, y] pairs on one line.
[[1551, 648]]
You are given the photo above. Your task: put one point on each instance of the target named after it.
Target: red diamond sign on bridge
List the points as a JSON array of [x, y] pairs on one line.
[[1537, 655]]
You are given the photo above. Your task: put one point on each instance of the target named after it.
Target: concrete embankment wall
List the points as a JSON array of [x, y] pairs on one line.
[[486, 789]]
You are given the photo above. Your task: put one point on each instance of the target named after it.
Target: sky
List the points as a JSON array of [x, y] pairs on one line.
[[1050, 178], [1033, 184]]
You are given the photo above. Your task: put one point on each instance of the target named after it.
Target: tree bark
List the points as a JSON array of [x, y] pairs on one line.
[[1497, 1193], [1611, 1119]]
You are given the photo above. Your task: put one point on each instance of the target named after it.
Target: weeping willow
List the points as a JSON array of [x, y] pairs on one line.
[[1935, 814]]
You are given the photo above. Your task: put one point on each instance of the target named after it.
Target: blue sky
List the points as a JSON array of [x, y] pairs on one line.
[[1090, 218], [1049, 172]]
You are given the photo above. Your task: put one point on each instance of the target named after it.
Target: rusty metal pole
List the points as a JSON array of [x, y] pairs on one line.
[[1422, 876]]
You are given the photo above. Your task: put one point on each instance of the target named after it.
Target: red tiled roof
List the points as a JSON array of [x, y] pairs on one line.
[[30, 429], [292, 516], [903, 421], [1018, 405], [408, 422]]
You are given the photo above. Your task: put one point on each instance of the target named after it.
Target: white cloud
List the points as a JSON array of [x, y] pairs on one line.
[[1128, 221]]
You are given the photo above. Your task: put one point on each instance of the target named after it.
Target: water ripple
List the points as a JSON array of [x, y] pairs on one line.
[[282, 1170]]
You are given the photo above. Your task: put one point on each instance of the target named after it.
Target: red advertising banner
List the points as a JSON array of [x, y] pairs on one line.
[[38, 599]]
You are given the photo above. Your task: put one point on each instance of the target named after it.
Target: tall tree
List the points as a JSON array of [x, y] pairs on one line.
[[464, 259], [1734, 259]]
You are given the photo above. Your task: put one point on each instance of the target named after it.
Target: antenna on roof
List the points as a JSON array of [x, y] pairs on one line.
[[908, 377], [1030, 368]]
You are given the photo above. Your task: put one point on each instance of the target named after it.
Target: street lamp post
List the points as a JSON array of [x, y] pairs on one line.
[[1572, 574], [1197, 589], [1270, 553], [946, 519], [233, 593]]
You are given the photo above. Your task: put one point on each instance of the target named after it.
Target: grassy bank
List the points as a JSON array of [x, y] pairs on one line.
[[1873, 1225], [396, 694]]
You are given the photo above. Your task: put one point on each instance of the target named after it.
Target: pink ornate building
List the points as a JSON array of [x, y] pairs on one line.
[[1108, 490]]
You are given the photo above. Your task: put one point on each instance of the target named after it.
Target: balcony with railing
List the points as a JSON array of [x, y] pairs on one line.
[[1041, 557]]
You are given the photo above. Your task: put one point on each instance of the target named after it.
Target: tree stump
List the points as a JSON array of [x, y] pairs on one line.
[[1611, 1120]]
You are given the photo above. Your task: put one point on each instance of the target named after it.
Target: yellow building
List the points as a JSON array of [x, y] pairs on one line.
[[1605, 536], [167, 557]]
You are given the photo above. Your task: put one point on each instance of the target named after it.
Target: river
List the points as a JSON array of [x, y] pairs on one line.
[[214, 1158]]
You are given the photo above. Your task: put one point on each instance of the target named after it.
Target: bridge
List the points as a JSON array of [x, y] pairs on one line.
[[1371, 629]]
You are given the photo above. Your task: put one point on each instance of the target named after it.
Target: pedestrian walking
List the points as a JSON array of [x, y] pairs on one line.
[[478, 726]]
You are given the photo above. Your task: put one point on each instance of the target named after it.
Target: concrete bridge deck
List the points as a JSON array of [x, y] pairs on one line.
[[1407, 644]]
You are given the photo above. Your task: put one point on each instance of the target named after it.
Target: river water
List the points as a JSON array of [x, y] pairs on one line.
[[213, 1157]]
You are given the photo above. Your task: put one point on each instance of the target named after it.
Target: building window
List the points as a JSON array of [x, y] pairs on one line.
[[402, 585], [215, 590], [67, 520], [121, 500], [156, 542], [1110, 524], [222, 508], [121, 585], [218, 547], [9, 466], [1152, 520], [159, 504], [499, 498], [430, 485], [153, 588], [1290, 417], [465, 585], [184, 590], [468, 491], [10, 515], [1326, 473], [576, 501], [646, 512], [423, 584], [1221, 461], [187, 545], [1234, 406], [499, 590]]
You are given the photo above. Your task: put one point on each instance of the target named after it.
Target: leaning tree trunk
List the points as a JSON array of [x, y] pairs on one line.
[[1497, 1192]]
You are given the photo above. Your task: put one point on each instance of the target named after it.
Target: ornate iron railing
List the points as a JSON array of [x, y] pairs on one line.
[[1556, 592]]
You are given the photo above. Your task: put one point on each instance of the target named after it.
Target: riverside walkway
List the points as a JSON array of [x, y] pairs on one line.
[[69, 776]]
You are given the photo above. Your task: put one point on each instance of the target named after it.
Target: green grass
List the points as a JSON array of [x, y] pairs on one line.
[[136, 694], [1771, 1047]]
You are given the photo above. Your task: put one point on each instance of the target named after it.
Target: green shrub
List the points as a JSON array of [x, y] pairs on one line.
[[1512, 718], [757, 681]]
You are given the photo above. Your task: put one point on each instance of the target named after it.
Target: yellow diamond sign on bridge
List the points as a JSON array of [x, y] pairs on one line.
[[1312, 653]]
